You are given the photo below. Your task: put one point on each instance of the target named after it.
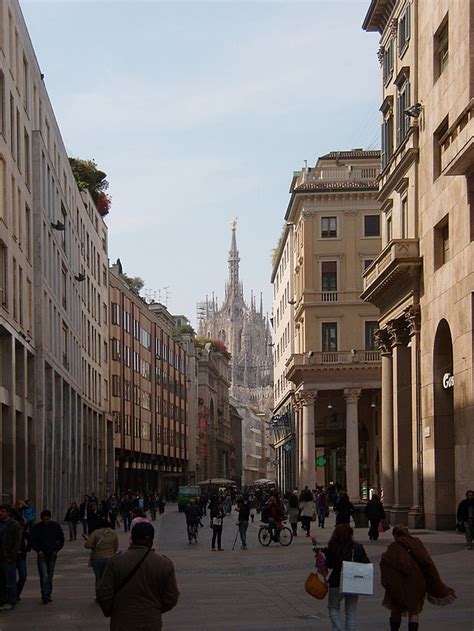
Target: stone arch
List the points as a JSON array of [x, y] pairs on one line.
[[444, 487]]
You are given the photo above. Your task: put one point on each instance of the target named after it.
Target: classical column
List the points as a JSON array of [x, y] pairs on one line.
[[352, 443], [415, 516], [386, 438], [308, 469]]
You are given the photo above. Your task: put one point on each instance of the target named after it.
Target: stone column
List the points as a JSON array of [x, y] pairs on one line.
[[308, 469], [387, 418], [415, 516], [352, 443]]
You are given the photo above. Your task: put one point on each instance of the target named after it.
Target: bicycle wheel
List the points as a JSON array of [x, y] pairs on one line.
[[264, 537], [286, 536]]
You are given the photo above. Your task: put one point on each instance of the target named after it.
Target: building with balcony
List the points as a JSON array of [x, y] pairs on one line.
[[333, 219], [422, 279], [148, 392]]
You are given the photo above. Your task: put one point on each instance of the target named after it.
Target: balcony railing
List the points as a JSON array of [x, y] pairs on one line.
[[342, 174], [329, 296], [397, 252], [325, 358]]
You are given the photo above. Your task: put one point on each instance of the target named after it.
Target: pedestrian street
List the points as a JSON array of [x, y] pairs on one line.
[[253, 590]]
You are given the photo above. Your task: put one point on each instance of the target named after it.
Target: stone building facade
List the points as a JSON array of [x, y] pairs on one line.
[[147, 392], [246, 334], [334, 222], [422, 279]]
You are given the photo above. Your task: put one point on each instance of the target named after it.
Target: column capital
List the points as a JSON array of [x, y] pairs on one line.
[[307, 397], [352, 395], [398, 332], [383, 340], [413, 319]]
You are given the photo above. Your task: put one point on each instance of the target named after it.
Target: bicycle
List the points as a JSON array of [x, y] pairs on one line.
[[283, 535], [193, 533]]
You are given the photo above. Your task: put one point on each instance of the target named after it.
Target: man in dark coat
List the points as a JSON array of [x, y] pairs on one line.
[[47, 539], [465, 515], [10, 542], [375, 513], [138, 586]]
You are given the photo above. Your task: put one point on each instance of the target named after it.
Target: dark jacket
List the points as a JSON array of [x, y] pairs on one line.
[[463, 510], [47, 539], [244, 512], [72, 515], [374, 510], [25, 545], [10, 540], [344, 510], [334, 561]]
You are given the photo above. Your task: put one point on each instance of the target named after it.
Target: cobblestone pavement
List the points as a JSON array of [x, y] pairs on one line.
[[258, 589]]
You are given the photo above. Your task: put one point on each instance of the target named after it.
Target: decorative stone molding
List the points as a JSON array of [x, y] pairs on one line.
[[413, 319], [307, 214], [380, 53], [384, 342], [350, 213], [398, 332], [352, 395], [307, 397], [394, 27]]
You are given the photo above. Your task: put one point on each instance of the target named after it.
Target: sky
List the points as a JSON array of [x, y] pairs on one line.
[[199, 113]]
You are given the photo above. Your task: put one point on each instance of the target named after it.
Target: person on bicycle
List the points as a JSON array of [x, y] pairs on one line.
[[272, 513], [193, 517]]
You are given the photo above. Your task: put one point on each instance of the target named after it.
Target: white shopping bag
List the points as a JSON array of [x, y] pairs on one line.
[[357, 578]]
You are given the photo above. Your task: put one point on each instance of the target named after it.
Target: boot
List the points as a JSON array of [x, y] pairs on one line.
[[395, 624], [413, 626]]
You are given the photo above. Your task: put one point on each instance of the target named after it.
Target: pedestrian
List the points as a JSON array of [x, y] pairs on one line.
[[112, 511], [465, 515], [408, 575], [293, 513], [152, 506], [344, 509], [83, 508], [29, 513], [322, 506], [126, 510], [243, 521], [342, 547], [217, 519], [47, 539], [103, 544], [94, 518], [139, 516], [72, 518], [138, 586], [94, 499], [161, 504], [10, 543], [375, 514], [25, 547], [307, 510]]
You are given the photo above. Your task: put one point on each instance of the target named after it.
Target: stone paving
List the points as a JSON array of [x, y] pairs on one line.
[[254, 590]]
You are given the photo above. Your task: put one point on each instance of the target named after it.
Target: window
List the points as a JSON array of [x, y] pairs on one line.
[[437, 148], [27, 158], [371, 343], [387, 61], [26, 94], [3, 192], [158, 347], [387, 136], [389, 228], [115, 313], [445, 243], [367, 263], [115, 348], [329, 336], [126, 390], [64, 287], [404, 30], [136, 361], [136, 329], [127, 355], [3, 274], [403, 103], [328, 227], [329, 276], [371, 226], [404, 217], [65, 346], [126, 321], [115, 385], [441, 48], [145, 430], [145, 369], [2, 103], [441, 243], [145, 338], [28, 232]]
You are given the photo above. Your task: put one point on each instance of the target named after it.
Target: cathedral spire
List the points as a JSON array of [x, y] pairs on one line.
[[234, 287]]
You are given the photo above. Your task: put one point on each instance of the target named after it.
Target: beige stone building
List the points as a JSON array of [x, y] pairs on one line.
[[53, 246], [147, 392], [334, 218], [422, 281]]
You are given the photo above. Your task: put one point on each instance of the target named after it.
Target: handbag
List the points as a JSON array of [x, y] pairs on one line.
[[315, 586], [357, 578], [313, 516], [96, 546]]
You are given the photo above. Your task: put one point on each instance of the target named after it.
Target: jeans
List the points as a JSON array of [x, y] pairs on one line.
[[374, 529], [469, 525], [321, 516], [350, 606], [243, 525], [153, 514], [99, 565], [46, 565], [85, 528], [72, 529], [22, 574], [127, 520], [8, 582], [216, 534]]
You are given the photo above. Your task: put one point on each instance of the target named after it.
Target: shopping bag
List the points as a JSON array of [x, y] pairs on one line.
[[357, 578], [316, 586], [381, 527], [313, 516]]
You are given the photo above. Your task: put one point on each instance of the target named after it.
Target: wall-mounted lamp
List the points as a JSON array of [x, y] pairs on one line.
[[329, 402], [373, 404], [80, 278], [58, 226], [414, 111]]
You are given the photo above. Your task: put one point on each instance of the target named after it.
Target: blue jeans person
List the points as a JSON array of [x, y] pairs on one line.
[[85, 527], [99, 565], [72, 530], [22, 574], [272, 527], [243, 525], [350, 606], [46, 563], [127, 521], [8, 583], [321, 516]]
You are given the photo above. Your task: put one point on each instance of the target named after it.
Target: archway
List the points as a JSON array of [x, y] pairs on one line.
[[443, 407]]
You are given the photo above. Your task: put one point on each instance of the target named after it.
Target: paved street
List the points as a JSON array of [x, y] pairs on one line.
[[258, 589]]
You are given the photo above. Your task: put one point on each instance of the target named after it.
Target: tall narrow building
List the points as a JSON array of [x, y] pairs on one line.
[[245, 331]]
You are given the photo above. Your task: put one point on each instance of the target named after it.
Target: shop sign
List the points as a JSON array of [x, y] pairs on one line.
[[448, 380], [321, 461]]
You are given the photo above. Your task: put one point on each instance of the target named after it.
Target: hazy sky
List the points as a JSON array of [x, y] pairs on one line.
[[199, 112]]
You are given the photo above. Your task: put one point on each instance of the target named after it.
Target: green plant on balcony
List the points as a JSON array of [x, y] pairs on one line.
[[89, 177]]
